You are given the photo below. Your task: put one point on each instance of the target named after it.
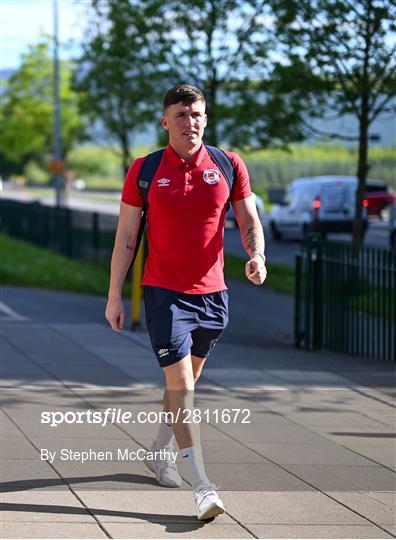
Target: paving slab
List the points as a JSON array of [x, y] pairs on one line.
[[176, 530], [391, 529], [40, 506], [342, 478], [288, 508], [149, 506], [341, 418], [253, 477], [7, 427], [366, 504], [284, 433], [17, 448], [106, 475], [20, 470], [307, 377], [376, 444], [318, 531], [51, 530], [386, 497], [310, 454]]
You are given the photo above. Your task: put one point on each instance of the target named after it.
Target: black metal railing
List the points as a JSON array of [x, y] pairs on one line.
[[345, 301], [74, 233]]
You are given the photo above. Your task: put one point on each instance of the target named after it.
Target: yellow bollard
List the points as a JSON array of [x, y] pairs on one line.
[[136, 296]]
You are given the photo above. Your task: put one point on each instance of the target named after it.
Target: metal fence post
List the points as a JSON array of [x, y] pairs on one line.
[[95, 235], [317, 291], [297, 302], [307, 295], [69, 232]]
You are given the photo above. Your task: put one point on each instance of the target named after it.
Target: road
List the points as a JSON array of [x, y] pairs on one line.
[[106, 203], [284, 252], [279, 252]]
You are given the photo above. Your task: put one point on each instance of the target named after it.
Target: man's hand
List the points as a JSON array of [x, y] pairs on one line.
[[115, 314], [255, 270]]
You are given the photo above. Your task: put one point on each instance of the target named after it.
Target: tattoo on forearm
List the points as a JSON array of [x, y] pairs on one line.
[[253, 240], [130, 247]]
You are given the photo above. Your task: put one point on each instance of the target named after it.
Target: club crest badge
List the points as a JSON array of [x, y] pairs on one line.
[[211, 176]]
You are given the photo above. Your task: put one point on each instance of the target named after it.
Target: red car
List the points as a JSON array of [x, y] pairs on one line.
[[379, 198]]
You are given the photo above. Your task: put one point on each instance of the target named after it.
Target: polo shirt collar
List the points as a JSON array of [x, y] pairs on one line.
[[178, 161]]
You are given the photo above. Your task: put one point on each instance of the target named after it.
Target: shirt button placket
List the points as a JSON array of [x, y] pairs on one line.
[[187, 177]]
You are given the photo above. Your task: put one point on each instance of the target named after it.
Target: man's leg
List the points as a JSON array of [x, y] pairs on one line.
[[179, 395], [197, 365], [180, 380], [165, 435]]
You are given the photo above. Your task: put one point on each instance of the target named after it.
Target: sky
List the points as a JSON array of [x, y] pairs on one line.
[[22, 21]]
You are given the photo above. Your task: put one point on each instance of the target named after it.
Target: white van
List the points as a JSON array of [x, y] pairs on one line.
[[324, 204]]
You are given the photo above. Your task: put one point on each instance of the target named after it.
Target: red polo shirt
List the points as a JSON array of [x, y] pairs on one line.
[[185, 220]]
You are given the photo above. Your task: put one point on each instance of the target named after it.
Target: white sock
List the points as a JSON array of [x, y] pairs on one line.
[[165, 436], [193, 459]]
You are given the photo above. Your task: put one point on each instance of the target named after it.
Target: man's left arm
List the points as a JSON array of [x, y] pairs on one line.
[[252, 236]]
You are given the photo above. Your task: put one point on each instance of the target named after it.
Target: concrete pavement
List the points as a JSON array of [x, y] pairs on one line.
[[315, 457]]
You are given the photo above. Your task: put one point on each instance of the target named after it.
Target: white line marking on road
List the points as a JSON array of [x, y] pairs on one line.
[[10, 314]]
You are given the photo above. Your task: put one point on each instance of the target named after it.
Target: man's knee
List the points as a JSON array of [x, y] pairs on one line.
[[183, 383], [180, 376]]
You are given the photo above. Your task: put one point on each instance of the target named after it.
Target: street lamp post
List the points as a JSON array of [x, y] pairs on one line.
[[58, 153]]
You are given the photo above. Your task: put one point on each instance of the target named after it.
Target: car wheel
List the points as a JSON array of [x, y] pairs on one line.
[[276, 235]]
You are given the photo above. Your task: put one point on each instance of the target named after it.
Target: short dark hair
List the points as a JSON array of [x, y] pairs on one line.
[[185, 93]]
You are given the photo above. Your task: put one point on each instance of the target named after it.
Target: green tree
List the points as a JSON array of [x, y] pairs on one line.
[[122, 68], [213, 48], [26, 123], [341, 53]]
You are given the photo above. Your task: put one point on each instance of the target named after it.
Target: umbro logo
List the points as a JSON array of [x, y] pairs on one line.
[[163, 182], [163, 352]]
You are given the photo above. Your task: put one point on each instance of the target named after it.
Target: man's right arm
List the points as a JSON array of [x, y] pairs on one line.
[[124, 249]]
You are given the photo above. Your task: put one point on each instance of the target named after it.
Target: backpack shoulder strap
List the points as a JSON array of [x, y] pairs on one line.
[[147, 172], [224, 163]]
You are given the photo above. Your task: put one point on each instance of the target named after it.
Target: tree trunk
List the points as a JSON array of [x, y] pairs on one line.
[[126, 155], [363, 135], [361, 174], [212, 80], [212, 118]]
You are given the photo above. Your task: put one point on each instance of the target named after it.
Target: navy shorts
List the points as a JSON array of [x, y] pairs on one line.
[[179, 322]]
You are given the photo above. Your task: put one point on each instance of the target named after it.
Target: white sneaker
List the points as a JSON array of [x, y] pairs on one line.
[[209, 504], [165, 471]]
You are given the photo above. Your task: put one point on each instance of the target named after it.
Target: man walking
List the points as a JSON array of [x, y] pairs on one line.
[[186, 299]]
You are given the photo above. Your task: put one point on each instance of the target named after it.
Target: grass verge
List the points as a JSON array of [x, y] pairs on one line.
[[280, 277], [27, 265]]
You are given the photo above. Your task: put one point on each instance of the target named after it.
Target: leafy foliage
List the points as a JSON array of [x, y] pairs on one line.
[[122, 66], [347, 50], [26, 123], [213, 48]]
